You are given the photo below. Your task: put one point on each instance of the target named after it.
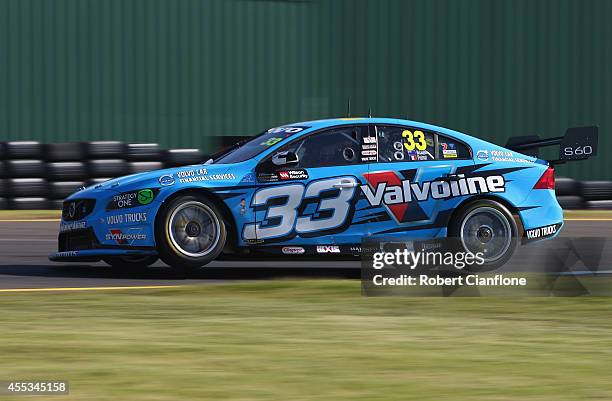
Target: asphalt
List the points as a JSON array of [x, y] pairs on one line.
[[24, 247]]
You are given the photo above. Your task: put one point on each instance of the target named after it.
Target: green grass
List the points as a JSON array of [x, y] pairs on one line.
[[307, 340], [29, 214]]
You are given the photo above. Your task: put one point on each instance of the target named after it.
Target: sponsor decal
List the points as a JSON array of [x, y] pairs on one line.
[[507, 156], [328, 249], [541, 232], [145, 196], [73, 225], [67, 254], [248, 178], [288, 130], [448, 150], [419, 155], [482, 155], [369, 149], [252, 241], [127, 238], [242, 207], [126, 218], [132, 199], [201, 174], [296, 174], [386, 188], [285, 175], [293, 250], [166, 180], [268, 177]]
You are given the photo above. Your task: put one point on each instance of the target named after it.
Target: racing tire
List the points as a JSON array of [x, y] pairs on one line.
[[597, 190], [29, 204], [2, 169], [130, 262], [104, 149], [190, 232], [23, 150], [143, 152], [183, 157], [25, 168], [571, 202], [63, 189], [56, 204], [65, 171], [107, 168], [64, 152], [3, 187], [27, 187], [567, 187], [142, 167], [4, 204], [485, 222]]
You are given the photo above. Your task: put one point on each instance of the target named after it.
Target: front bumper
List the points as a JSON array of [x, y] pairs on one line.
[[94, 255]]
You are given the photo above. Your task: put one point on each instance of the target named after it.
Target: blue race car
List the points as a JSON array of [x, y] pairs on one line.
[[321, 187]]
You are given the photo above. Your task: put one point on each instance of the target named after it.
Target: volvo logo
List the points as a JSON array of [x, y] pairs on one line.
[[72, 210]]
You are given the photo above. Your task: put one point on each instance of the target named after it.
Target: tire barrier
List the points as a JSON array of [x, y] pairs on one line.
[[64, 152], [597, 190], [40, 176], [22, 150], [183, 157], [143, 152]]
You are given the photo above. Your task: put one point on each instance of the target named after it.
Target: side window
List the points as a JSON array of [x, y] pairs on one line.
[[404, 144], [336, 147], [449, 148]]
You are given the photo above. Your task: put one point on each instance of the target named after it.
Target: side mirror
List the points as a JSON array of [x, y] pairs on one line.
[[285, 159]]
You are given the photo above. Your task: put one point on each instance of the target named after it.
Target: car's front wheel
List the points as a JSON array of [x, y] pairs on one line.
[[190, 232], [487, 228]]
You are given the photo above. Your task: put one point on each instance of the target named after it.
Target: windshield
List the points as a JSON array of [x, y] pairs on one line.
[[256, 145]]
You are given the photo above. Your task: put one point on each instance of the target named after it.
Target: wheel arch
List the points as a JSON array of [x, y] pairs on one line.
[[508, 205], [227, 214]]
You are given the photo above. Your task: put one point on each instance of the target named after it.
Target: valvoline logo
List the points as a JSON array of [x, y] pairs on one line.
[[399, 195]]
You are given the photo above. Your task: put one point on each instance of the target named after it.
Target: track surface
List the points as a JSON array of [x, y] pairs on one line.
[[24, 247]]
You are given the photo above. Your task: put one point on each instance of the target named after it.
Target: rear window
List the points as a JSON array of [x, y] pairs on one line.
[[451, 149]]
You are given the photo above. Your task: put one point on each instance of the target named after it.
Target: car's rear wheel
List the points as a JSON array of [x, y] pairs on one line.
[[190, 232], [488, 228], [130, 262]]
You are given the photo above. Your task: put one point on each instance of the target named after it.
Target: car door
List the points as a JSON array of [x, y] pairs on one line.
[[410, 186], [312, 202]]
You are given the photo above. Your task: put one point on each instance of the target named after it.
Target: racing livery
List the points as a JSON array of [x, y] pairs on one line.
[[321, 187]]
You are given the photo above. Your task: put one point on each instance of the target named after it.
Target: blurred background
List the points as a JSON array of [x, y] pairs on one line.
[[180, 73]]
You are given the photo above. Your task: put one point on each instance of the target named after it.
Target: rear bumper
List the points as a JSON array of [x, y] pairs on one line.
[[94, 255]]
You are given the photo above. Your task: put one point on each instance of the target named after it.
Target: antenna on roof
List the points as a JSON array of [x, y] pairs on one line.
[[369, 112], [348, 107]]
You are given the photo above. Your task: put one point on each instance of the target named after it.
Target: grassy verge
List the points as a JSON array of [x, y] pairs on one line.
[[55, 214], [307, 340], [29, 214]]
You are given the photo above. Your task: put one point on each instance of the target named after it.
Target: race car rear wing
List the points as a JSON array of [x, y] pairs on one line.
[[578, 143]]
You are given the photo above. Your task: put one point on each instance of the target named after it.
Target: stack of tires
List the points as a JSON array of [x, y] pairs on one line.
[[597, 194], [40, 176], [24, 184], [569, 193]]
